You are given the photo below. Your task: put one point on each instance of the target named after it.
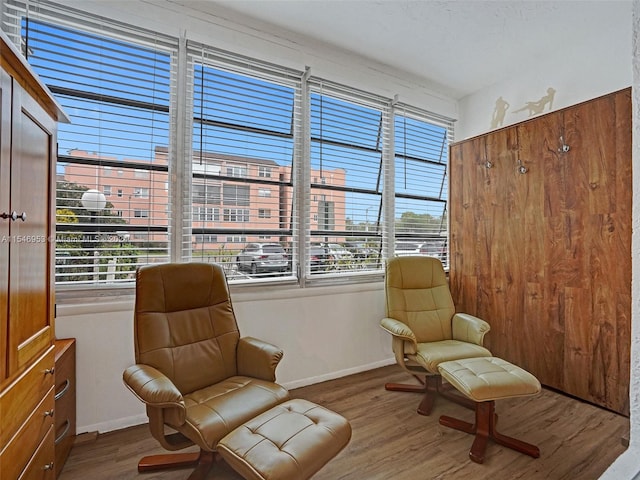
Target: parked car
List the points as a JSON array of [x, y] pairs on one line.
[[407, 248], [262, 257], [329, 256], [432, 247], [435, 247], [321, 259], [338, 251], [359, 249]]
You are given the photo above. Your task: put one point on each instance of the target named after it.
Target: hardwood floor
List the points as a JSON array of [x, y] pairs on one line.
[[391, 441]]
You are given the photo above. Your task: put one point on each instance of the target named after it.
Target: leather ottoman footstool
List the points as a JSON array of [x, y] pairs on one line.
[[485, 380], [292, 441]]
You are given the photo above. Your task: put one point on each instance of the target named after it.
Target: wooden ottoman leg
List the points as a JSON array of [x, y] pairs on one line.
[[485, 429], [515, 444]]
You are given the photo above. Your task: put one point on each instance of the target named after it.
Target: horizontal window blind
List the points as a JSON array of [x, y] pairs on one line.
[[348, 135], [112, 209], [245, 117], [179, 151], [420, 160]]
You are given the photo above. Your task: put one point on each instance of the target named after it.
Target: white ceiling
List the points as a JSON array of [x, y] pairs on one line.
[[461, 46]]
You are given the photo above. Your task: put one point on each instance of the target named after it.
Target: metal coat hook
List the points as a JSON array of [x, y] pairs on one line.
[[488, 164], [521, 168], [564, 148]]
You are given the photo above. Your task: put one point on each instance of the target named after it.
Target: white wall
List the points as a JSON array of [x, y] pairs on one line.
[[231, 31], [578, 71], [325, 332]]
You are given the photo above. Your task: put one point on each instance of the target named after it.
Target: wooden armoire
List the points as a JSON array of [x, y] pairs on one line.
[[28, 116], [540, 220]]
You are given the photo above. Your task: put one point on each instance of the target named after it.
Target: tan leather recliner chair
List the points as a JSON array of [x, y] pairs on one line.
[[425, 327], [193, 371]]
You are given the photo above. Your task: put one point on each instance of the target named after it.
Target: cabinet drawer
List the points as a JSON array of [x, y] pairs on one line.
[[17, 453], [21, 397], [65, 397], [65, 418], [41, 466]]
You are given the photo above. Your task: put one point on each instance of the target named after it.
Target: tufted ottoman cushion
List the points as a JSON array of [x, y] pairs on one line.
[[292, 441], [489, 378]]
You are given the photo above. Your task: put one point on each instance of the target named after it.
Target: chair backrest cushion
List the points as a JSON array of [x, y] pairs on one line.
[[184, 324], [417, 294]]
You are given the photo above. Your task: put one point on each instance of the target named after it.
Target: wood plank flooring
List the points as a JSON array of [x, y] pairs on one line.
[[391, 441]]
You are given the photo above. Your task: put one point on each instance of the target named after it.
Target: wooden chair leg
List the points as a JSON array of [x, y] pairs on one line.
[[202, 461], [405, 387], [427, 402], [431, 387], [485, 429], [205, 464]]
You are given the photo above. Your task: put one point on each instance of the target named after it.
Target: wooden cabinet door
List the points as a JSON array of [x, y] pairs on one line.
[[30, 315]]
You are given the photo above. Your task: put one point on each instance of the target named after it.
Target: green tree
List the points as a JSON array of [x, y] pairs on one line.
[[422, 223]]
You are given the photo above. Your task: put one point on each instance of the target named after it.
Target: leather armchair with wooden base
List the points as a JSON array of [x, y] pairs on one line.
[[193, 371], [425, 328]]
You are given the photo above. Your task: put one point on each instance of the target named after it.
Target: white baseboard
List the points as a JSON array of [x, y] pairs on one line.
[[339, 374], [140, 419], [111, 425]]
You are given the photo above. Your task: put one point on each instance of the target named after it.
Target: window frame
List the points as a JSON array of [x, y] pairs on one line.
[[181, 199]]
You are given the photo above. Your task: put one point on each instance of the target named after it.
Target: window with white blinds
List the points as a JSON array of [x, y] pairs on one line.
[[348, 135], [112, 213], [245, 118], [178, 151], [420, 165]]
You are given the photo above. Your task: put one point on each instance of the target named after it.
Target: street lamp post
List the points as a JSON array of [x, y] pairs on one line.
[[94, 202], [366, 218]]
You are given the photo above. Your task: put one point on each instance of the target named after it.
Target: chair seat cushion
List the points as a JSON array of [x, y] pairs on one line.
[[214, 411], [289, 442], [430, 355], [485, 379]]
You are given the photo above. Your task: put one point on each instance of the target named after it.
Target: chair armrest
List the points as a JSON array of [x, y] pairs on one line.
[[258, 359], [152, 387], [399, 330], [468, 328]]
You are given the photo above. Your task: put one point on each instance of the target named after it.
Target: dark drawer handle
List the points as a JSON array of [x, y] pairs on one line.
[[61, 393], [67, 425]]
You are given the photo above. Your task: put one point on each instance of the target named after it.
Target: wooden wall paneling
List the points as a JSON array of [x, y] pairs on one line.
[[550, 249], [483, 240], [622, 273], [593, 346], [544, 350], [461, 212], [498, 270], [566, 274]]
